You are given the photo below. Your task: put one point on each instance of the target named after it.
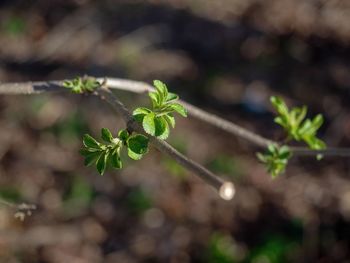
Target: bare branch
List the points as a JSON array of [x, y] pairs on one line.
[[21, 211]]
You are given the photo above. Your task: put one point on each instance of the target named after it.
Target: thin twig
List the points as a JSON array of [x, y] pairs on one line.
[[218, 122], [142, 87], [226, 189], [21, 211]]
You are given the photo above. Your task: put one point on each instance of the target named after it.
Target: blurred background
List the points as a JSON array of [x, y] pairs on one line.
[[226, 56]]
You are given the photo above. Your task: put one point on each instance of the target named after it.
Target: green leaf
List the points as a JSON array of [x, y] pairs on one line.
[[90, 84], [179, 109], [116, 160], [155, 98], [134, 156], [80, 85], [141, 110], [138, 144], [106, 135], [148, 123], [295, 124], [123, 135], [161, 89], [91, 158], [306, 129], [140, 113], [162, 128], [300, 115], [317, 123], [281, 121], [102, 162], [172, 97], [275, 159], [156, 126], [170, 119], [90, 142], [279, 105]]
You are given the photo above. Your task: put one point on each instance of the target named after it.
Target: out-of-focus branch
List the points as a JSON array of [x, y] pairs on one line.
[[20, 210], [142, 87]]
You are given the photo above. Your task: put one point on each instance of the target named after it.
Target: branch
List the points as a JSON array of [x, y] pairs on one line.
[[142, 87], [226, 189], [21, 210]]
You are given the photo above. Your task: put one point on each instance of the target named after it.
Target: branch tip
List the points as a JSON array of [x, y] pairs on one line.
[[227, 191]]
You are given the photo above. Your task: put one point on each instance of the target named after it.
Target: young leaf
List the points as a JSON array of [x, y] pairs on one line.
[[155, 98], [162, 128], [295, 124], [138, 143], [134, 156], [170, 119], [148, 123], [90, 157], [80, 85], [172, 97], [102, 162], [90, 142], [275, 159], [137, 146], [115, 159], [179, 109], [140, 113], [106, 135], [123, 135], [279, 105], [161, 89]]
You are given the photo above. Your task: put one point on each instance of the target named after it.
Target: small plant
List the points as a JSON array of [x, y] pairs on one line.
[[297, 128], [275, 159], [81, 85], [107, 154], [156, 121]]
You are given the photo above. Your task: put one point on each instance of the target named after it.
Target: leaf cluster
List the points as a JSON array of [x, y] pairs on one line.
[[81, 85], [157, 120], [107, 153], [296, 125], [298, 128], [275, 159]]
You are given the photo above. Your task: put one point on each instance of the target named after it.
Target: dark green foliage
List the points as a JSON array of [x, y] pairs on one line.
[[156, 121], [107, 154]]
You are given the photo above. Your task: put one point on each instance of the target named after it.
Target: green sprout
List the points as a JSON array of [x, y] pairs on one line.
[[275, 159], [107, 153], [81, 85], [297, 127], [156, 121]]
